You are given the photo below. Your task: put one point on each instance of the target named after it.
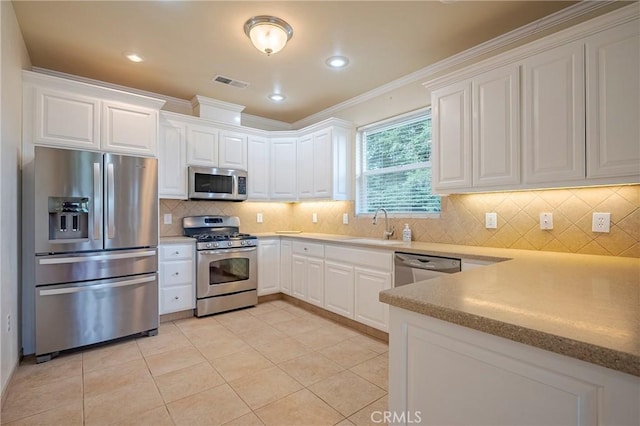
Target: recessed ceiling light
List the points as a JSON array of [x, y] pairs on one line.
[[133, 57], [276, 97], [337, 62]]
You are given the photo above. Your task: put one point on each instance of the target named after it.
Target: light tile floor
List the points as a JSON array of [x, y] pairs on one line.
[[274, 364]]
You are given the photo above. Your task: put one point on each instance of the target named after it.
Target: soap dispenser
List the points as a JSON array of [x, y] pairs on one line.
[[406, 233]]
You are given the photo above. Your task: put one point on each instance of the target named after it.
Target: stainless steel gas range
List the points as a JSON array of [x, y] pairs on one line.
[[226, 276]]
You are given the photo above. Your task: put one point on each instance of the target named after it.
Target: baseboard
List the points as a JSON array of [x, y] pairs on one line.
[[174, 316]]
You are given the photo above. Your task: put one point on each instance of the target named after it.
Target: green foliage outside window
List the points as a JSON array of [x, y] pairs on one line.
[[395, 164]]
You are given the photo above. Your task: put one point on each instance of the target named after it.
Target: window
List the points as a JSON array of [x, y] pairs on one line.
[[394, 167]]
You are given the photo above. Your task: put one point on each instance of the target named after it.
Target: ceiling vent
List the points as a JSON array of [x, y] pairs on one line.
[[230, 81]]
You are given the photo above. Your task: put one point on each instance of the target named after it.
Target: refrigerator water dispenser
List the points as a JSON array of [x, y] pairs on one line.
[[68, 218]]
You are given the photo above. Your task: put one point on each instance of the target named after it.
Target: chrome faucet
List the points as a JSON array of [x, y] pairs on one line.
[[388, 232]]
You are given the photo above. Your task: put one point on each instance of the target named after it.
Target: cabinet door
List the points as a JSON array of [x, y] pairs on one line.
[[338, 288], [129, 129], [368, 309], [322, 164], [172, 162], [315, 281], [299, 276], [554, 115], [268, 267], [258, 168], [285, 266], [305, 166], [233, 150], [202, 146], [496, 127], [613, 107], [283, 169], [66, 119], [451, 149]]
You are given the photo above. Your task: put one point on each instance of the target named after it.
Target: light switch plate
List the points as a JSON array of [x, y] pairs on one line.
[[546, 220], [168, 218], [345, 218], [259, 218], [491, 220], [601, 222], [314, 218]]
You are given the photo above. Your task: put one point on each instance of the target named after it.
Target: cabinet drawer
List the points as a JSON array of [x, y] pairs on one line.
[[308, 249], [178, 272], [176, 251], [376, 259], [175, 299]]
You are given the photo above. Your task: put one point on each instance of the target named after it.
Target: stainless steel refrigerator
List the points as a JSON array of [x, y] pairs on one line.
[[95, 235]]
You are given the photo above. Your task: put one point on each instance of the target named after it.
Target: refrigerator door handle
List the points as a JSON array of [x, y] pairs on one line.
[[111, 226], [69, 290], [96, 193], [79, 259]]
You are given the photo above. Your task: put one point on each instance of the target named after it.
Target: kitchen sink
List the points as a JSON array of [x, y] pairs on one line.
[[374, 241]]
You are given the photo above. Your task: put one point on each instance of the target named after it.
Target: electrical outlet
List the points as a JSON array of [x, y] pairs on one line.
[[601, 222], [259, 218], [491, 220], [314, 218], [345, 218], [546, 220], [168, 218]]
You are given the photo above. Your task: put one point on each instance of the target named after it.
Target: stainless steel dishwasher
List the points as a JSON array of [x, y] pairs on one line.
[[411, 267]]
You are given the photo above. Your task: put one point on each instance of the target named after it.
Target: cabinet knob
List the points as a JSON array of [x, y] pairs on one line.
[[176, 298], [177, 252], [305, 249], [177, 273]]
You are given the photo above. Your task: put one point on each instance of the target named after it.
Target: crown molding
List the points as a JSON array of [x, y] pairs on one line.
[[497, 43], [258, 122]]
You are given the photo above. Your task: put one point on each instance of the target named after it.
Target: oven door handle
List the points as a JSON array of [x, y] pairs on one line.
[[225, 251]]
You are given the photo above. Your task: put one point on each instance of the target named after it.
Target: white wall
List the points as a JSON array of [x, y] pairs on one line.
[[13, 58]]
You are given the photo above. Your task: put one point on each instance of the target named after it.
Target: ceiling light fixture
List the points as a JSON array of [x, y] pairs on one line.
[[268, 33], [133, 57], [337, 62], [276, 97]]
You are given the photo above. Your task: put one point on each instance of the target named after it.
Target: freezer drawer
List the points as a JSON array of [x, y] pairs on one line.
[[79, 314], [72, 267]]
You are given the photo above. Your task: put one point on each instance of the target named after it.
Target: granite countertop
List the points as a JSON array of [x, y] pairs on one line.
[[582, 306]]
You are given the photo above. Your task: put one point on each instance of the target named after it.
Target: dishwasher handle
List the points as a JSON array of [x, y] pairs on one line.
[[430, 263]]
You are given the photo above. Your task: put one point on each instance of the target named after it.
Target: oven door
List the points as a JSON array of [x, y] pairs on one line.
[[226, 271]]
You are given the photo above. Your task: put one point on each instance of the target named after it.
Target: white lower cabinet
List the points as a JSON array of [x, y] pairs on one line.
[[177, 277], [307, 272], [268, 266], [443, 373], [339, 288], [368, 285], [285, 266]]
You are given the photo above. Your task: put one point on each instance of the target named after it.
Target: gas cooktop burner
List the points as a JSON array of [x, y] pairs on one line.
[[216, 232]]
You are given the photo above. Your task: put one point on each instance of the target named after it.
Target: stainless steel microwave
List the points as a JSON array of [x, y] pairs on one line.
[[211, 183]]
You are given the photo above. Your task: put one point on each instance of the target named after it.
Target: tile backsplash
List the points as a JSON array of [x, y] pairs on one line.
[[461, 220]]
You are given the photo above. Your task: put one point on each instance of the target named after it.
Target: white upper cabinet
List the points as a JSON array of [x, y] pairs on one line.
[[66, 113], [324, 164], [172, 166], [613, 102], [496, 127], [282, 185], [258, 164], [305, 164], [554, 115], [559, 112], [233, 150], [202, 145], [451, 150], [66, 119], [129, 129]]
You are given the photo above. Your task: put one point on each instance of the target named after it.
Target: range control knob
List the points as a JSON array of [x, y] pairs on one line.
[[209, 245], [230, 243], [215, 244]]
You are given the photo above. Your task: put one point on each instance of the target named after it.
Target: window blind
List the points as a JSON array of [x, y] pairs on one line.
[[395, 167]]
